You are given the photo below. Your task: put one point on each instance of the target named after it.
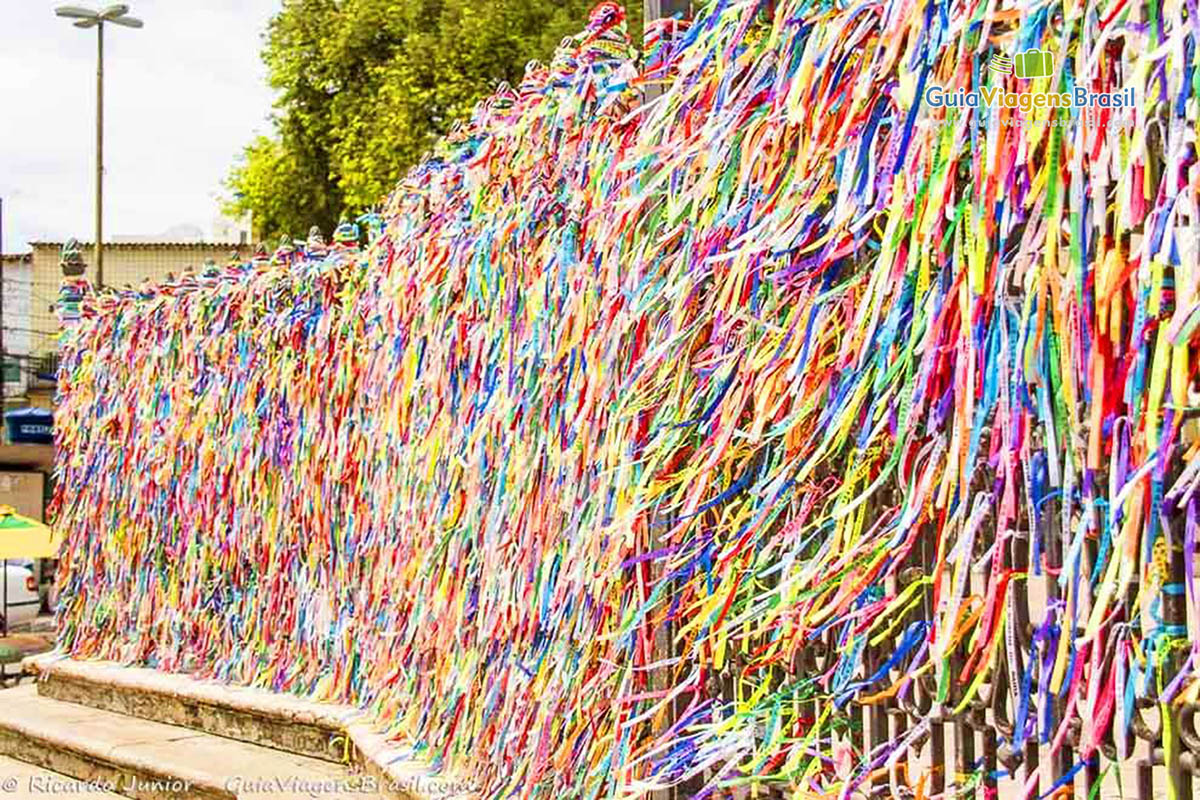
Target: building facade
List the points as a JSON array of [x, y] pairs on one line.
[[18, 366], [126, 264]]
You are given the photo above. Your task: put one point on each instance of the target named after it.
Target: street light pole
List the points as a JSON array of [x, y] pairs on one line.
[[99, 257], [87, 18]]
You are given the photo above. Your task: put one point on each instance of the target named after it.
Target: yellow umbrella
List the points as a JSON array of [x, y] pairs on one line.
[[23, 537]]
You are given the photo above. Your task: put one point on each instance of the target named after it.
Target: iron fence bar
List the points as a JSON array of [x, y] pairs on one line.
[[1174, 614], [937, 733]]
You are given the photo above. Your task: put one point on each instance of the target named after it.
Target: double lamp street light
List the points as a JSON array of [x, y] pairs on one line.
[[87, 18]]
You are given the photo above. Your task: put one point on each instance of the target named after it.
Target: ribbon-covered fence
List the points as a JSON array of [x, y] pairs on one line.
[[762, 434]]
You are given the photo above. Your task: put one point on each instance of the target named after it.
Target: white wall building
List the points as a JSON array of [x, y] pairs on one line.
[[16, 277]]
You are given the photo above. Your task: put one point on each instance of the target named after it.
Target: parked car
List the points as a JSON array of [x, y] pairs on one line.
[[24, 601], [45, 572]]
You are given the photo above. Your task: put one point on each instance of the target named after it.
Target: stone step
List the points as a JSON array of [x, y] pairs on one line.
[[151, 760], [21, 780], [337, 734], [285, 722]]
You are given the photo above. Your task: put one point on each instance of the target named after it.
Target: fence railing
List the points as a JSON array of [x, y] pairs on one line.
[[969, 752]]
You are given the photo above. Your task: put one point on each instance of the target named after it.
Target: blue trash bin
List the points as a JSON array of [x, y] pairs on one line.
[[30, 426]]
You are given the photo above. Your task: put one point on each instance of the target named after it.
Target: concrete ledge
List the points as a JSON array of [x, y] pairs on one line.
[[335, 733], [68, 746], [264, 718]]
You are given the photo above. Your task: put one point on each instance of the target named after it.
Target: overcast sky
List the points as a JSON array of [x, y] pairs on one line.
[[181, 97]]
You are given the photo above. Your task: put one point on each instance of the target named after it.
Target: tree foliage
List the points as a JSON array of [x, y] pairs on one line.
[[366, 86]]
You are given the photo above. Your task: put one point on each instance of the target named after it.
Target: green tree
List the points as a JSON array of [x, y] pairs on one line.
[[366, 86]]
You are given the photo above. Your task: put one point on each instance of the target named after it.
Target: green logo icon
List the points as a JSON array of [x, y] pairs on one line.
[[1034, 64], [1001, 64]]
